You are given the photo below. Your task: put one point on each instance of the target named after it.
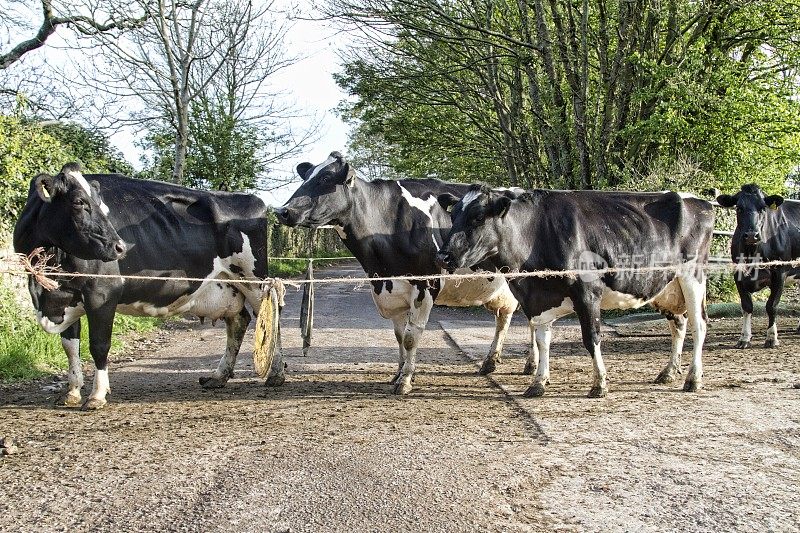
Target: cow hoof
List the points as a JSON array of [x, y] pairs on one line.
[[402, 388], [598, 392], [275, 381], [529, 369], [668, 375], [692, 385], [210, 382], [70, 400], [394, 379], [489, 365], [93, 404], [771, 343], [742, 345], [534, 391]]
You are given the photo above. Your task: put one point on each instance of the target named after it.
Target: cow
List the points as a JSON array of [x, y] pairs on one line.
[[395, 228], [109, 224], [585, 230], [767, 229]]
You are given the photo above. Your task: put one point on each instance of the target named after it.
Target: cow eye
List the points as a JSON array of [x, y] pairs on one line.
[[79, 203]]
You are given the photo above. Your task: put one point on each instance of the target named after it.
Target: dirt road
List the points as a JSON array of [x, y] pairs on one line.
[[331, 450]]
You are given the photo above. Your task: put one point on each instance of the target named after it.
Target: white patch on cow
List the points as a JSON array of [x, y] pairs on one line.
[[747, 327], [214, 298], [599, 368], [469, 197], [470, 292], [686, 195], [423, 205], [554, 313], [772, 333], [77, 176], [515, 190], [544, 334], [71, 314], [319, 167], [75, 373], [100, 387], [612, 299], [694, 292]]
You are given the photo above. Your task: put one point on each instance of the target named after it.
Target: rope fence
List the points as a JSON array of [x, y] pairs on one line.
[[35, 265]]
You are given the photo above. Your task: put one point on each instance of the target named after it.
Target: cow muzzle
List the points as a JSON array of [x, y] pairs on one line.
[[445, 260], [285, 216], [751, 238]]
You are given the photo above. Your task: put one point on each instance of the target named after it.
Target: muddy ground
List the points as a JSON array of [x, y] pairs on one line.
[[332, 450]]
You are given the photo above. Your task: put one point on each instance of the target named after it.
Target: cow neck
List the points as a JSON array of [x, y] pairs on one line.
[[522, 219], [367, 208]]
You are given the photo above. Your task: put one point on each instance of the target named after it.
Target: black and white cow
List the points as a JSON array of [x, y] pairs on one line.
[[767, 229], [395, 228], [110, 224], [564, 230]]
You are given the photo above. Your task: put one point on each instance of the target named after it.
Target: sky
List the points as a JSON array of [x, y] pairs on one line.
[[310, 87]]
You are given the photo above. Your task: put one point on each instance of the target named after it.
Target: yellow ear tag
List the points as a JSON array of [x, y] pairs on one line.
[[773, 206]]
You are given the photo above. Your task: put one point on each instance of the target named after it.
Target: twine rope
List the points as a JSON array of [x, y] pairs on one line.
[[35, 264]]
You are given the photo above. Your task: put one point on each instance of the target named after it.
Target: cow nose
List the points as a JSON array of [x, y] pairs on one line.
[[120, 248], [282, 213], [444, 260], [752, 237]]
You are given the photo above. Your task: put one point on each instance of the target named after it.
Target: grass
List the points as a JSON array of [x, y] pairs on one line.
[[290, 268], [27, 352]]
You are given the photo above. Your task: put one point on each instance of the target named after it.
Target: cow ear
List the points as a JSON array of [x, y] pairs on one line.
[[349, 174], [96, 186], [774, 201], [500, 206], [726, 200], [303, 169], [45, 187], [447, 201]]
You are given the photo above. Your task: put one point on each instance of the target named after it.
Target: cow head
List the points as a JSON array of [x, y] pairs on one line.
[[323, 197], [475, 235], [73, 216], [751, 213]]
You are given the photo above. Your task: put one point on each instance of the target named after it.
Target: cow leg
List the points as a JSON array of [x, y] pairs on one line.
[[71, 342], [746, 300], [587, 307], [235, 327], [694, 293], [399, 323], [775, 292], [101, 323], [502, 321], [544, 335], [415, 325], [533, 352], [677, 326]]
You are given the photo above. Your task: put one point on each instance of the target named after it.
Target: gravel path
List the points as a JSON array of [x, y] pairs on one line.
[[331, 450]]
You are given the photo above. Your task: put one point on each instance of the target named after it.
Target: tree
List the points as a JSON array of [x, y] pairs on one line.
[[54, 16], [579, 94], [223, 52]]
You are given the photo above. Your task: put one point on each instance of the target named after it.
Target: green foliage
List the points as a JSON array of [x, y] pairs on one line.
[[27, 148], [222, 152], [577, 94], [25, 151]]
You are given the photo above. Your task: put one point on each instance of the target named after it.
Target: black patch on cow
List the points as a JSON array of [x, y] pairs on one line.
[[378, 286], [236, 269]]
